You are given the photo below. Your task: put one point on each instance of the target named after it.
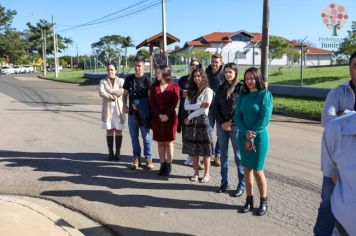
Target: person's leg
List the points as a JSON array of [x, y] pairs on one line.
[[136, 148], [325, 220], [206, 178], [147, 146], [118, 142], [262, 188], [240, 169], [217, 161], [196, 168], [224, 169], [162, 157], [170, 153], [110, 143], [248, 173]]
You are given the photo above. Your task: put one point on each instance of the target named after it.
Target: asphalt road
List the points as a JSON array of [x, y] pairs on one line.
[[52, 147]]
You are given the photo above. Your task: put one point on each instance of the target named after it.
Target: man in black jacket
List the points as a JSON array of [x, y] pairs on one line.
[[215, 75]]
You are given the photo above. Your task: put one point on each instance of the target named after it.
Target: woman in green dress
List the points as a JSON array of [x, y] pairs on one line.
[[252, 115]]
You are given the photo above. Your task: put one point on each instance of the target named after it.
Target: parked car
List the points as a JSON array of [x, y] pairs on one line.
[[17, 69], [52, 68], [28, 68], [7, 70]]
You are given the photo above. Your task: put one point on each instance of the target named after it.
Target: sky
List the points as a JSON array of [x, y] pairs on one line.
[[185, 19]]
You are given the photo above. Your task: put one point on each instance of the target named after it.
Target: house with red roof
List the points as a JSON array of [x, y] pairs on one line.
[[243, 48]]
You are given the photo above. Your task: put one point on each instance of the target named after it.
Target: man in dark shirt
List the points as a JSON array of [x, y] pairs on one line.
[[137, 87], [215, 75]]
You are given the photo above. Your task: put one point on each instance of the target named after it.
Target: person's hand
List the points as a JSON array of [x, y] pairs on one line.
[[134, 107], [126, 109], [226, 126], [163, 117], [204, 105], [184, 93], [187, 121], [250, 135]]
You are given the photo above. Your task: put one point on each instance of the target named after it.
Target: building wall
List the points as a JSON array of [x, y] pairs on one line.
[[241, 53], [317, 60]]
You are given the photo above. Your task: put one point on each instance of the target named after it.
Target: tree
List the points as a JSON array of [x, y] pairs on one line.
[[293, 56], [277, 47], [126, 42], [6, 17], [348, 45], [107, 48], [13, 47], [143, 52]]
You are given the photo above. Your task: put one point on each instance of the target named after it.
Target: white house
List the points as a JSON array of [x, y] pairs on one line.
[[243, 48]]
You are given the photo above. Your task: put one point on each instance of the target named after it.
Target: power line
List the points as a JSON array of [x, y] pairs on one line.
[[100, 20]]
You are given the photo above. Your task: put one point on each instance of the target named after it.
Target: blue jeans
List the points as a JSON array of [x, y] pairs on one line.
[[224, 138], [212, 124], [325, 220], [146, 136]]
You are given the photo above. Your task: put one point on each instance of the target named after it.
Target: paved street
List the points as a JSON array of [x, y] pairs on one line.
[[52, 147]]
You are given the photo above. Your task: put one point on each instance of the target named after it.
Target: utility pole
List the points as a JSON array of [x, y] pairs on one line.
[[77, 56], [44, 49], [164, 32], [55, 48], [265, 42]]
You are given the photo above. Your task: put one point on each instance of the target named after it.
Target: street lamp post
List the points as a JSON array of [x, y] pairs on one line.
[[301, 61]]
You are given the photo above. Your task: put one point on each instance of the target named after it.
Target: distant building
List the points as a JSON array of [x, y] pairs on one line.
[[243, 48]]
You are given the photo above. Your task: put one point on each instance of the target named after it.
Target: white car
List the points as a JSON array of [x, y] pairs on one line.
[[17, 69], [28, 68], [7, 70]]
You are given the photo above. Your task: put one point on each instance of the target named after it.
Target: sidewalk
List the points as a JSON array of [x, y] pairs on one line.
[[30, 216]]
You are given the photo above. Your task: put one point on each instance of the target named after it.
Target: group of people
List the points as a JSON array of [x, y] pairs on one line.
[[241, 111]]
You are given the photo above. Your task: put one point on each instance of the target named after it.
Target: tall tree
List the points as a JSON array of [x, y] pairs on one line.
[[348, 45], [126, 42], [277, 47], [6, 17], [107, 48]]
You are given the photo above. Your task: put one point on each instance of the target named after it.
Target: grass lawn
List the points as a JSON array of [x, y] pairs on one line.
[[322, 77]]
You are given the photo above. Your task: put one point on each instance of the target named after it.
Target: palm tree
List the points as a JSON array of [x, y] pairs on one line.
[[126, 42]]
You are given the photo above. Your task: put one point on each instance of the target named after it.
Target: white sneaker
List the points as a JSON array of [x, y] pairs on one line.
[[189, 161]]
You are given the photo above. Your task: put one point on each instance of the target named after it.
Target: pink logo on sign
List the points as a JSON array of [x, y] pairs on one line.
[[334, 17]]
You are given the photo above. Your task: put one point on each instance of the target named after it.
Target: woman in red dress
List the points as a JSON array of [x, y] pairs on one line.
[[164, 97]]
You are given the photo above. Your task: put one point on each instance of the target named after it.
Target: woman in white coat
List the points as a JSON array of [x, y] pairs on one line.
[[112, 115]]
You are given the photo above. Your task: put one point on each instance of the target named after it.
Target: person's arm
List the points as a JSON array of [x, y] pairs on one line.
[[207, 98], [169, 110], [119, 90], [154, 106], [103, 92], [331, 107], [216, 108], [265, 112], [191, 106], [329, 141], [238, 117]]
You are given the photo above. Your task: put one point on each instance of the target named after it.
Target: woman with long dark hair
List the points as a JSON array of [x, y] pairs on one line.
[[197, 140], [224, 105], [252, 115]]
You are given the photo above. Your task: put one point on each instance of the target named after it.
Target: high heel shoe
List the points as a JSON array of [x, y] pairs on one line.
[[248, 205]]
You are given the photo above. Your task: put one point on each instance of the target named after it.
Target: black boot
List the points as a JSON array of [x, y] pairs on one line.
[[168, 169], [162, 169], [118, 141], [110, 142], [248, 205], [263, 207]]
